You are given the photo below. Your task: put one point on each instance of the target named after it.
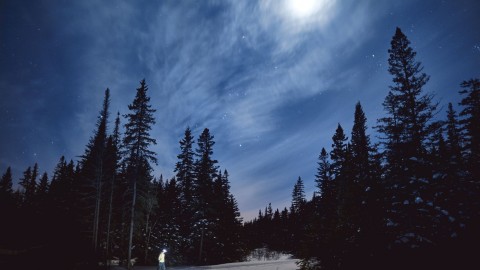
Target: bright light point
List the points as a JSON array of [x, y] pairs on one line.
[[305, 15], [302, 9]]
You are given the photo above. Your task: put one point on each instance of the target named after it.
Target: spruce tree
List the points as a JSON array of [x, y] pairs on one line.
[[185, 170], [365, 211], [227, 230], [136, 143], [205, 173], [470, 121], [92, 171], [7, 199], [112, 160], [470, 125], [29, 185], [298, 196], [324, 239], [405, 131], [6, 184]]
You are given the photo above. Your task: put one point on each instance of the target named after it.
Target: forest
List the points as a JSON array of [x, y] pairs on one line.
[[409, 200]]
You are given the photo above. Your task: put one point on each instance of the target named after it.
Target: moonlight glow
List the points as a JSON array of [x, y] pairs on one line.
[[303, 8], [308, 14]]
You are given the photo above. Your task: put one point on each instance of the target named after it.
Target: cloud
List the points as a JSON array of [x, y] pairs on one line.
[[230, 66]]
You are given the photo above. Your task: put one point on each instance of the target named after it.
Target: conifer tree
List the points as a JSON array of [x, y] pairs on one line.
[[405, 131], [205, 173], [29, 185], [112, 159], [92, 170], [470, 121], [322, 177], [366, 196], [7, 199], [6, 183], [470, 125], [42, 192], [338, 154], [136, 142], [228, 247], [298, 196], [327, 215], [185, 170]]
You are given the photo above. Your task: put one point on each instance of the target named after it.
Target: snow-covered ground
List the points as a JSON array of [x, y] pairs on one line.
[[281, 264], [260, 259], [287, 264]]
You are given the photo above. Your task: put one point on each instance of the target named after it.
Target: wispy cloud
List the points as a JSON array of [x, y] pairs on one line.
[[230, 66]]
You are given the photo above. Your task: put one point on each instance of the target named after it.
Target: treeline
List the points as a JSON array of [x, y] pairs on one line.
[[410, 201], [108, 204]]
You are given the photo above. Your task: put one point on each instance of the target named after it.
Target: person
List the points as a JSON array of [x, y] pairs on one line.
[[161, 260]]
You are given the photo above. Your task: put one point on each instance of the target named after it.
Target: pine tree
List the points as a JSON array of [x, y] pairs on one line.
[[92, 170], [454, 143], [324, 229], [112, 160], [228, 247], [470, 121], [298, 196], [297, 216], [6, 184], [338, 154], [365, 213], [6, 191], [171, 231], [205, 173], [185, 167], [185, 170], [29, 185], [470, 125], [138, 156], [406, 130]]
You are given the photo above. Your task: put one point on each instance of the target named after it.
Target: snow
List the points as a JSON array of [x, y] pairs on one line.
[[418, 200], [281, 264]]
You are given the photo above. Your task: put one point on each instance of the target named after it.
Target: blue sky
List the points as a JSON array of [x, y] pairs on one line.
[[271, 79]]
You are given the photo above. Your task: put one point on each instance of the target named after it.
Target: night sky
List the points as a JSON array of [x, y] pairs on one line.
[[270, 79]]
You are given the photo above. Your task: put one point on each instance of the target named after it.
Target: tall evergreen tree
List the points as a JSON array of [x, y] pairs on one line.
[[365, 213], [6, 183], [470, 121], [470, 125], [112, 160], [185, 167], [405, 132], [29, 185], [297, 216], [228, 247], [7, 199], [205, 173], [185, 170], [298, 196], [137, 141], [323, 177], [338, 154], [92, 170], [170, 233]]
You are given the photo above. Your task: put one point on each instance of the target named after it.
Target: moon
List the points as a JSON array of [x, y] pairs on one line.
[[305, 15], [303, 8]]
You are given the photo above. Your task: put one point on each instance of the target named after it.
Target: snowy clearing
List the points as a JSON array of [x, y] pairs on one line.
[[287, 264]]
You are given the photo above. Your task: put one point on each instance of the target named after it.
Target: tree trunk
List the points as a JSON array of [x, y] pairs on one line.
[[110, 209], [130, 239]]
